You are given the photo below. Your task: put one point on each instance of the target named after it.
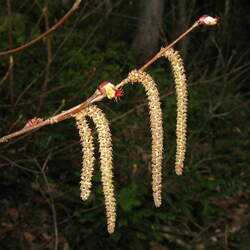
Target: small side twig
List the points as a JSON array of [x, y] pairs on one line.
[[11, 63]]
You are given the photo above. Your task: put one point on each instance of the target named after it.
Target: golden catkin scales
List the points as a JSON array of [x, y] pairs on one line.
[[105, 148], [88, 155], [181, 94], [156, 129]]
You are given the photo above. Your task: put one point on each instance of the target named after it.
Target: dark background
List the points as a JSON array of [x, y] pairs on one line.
[[205, 208]]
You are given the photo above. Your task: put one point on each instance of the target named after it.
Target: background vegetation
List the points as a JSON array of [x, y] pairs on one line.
[[206, 208]]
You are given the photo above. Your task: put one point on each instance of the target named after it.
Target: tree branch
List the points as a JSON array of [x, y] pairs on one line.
[[97, 96], [46, 33]]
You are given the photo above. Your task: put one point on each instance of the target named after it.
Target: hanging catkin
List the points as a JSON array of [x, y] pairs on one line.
[[156, 129], [88, 159], [181, 95]]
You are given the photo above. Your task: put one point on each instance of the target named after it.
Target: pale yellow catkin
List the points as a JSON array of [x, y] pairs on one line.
[[156, 125], [106, 158], [88, 159], [178, 70]]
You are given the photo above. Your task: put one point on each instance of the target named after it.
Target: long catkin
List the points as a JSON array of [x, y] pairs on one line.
[[178, 70], [156, 125]]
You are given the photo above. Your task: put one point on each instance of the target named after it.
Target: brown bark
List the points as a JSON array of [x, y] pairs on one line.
[[147, 38]]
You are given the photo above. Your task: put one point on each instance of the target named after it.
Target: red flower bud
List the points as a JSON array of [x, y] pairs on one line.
[[109, 90]]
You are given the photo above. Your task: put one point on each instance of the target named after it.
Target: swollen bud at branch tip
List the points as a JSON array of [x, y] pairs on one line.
[[109, 90], [208, 20]]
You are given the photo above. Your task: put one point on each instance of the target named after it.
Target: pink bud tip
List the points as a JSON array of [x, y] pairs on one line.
[[33, 122], [101, 85], [208, 20]]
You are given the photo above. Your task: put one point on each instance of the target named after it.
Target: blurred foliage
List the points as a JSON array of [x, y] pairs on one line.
[[206, 208]]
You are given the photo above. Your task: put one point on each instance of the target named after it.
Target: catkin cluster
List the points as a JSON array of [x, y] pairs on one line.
[[156, 129], [105, 148], [178, 70], [156, 124]]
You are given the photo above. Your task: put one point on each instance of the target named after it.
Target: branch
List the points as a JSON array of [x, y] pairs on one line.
[[57, 118], [98, 96], [46, 33]]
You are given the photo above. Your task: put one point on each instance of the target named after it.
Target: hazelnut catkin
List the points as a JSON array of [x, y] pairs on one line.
[[88, 159], [156, 129], [178, 70]]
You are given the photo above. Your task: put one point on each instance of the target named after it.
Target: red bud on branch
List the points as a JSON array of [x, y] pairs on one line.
[[33, 122], [109, 90]]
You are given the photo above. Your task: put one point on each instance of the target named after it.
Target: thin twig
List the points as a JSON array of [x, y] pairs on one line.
[[49, 56], [10, 38], [15, 164], [50, 199], [46, 33]]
